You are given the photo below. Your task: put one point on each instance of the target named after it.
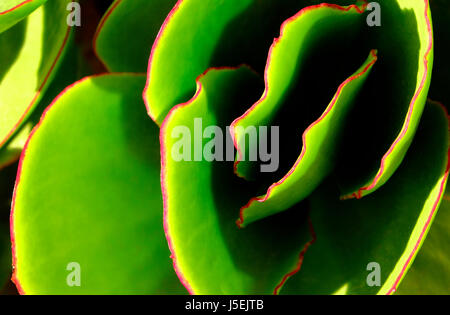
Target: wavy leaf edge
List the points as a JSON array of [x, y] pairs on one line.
[[375, 183], [373, 58]]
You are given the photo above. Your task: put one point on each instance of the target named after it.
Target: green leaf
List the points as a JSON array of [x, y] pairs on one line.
[[73, 67], [321, 137], [430, 272], [88, 192], [387, 227], [395, 96], [214, 33], [35, 47], [13, 11], [113, 42], [201, 199]]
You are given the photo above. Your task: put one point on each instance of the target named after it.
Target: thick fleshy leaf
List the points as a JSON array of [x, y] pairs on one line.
[[316, 160], [322, 136], [73, 68], [13, 11], [387, 227], [396, 94], [223, 33], [113, 42], [211, 254], [88, 192], [288, 56], [430, 272], [35, 47]]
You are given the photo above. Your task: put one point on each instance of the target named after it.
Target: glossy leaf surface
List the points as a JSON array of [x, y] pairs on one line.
[[88, 192]]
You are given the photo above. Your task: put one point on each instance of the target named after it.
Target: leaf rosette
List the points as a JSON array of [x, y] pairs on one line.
[[363, 152]]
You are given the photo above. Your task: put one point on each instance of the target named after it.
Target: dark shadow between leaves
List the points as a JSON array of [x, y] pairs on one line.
[[7, 180]]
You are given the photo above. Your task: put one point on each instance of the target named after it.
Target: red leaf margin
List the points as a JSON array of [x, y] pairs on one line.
[[431, 216], [16, 7], [375, 181], [40, 89], [240, 221]]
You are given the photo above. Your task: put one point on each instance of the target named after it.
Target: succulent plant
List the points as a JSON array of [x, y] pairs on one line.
[[95, 111]]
